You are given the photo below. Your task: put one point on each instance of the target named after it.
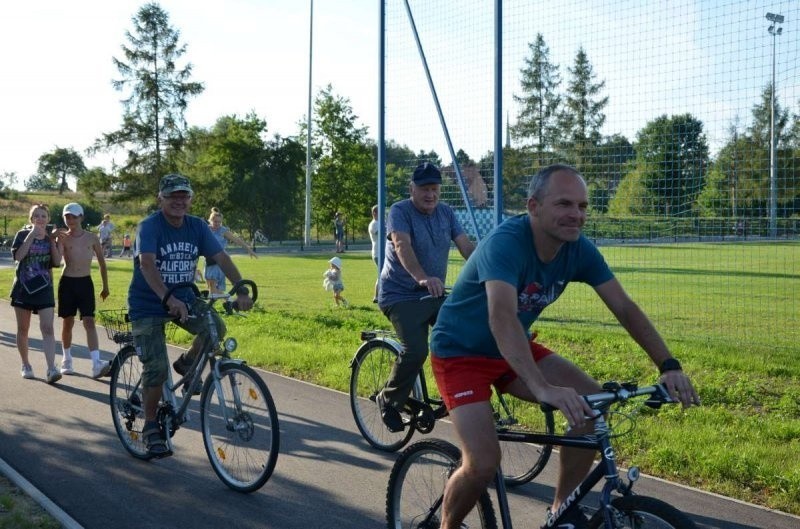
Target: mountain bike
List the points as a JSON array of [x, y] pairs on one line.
[[370, 368], [417, 480], [238, 419]]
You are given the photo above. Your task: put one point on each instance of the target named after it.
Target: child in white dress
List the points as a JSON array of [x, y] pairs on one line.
[[333, 281]]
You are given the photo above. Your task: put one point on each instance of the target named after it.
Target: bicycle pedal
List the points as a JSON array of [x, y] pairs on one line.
[[162, 455]]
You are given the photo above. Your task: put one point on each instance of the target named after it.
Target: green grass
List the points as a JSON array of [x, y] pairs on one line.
[[729, 312]]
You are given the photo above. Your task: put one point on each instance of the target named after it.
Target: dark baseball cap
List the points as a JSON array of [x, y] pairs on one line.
[[426, 173], [174, 182]]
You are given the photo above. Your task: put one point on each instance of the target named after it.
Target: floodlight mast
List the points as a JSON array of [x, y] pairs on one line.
[[773, 159]]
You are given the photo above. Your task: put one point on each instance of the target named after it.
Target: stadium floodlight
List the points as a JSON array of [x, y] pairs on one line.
[[772, 17], [773, 158]]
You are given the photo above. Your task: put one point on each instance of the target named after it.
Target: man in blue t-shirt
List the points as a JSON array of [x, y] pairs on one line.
[[419, 231], [168, 244], [481, 337]]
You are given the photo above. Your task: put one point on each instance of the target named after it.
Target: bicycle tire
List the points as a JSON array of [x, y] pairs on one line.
[[416, 485], [242, 450], [642, 512], [521, 462], [370, 371], [126, 401]]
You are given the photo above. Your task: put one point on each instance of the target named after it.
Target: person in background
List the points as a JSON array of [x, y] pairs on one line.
[[166, 248], [333, 281], [412, 283], [105, 230], [338, 231], [76, 288], [126, 246], [215, 278], [36, 253], [373, 238], [482, 337]]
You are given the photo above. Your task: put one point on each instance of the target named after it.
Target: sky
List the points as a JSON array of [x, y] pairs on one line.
[[708, 57], [253, 55]]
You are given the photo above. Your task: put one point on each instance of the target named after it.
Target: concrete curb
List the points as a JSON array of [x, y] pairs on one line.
[[52, 509]]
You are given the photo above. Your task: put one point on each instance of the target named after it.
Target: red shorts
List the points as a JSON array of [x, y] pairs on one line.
[[467, 379]]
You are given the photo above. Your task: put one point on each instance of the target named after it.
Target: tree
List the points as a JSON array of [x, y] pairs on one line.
[[608, 164], [759, 131], [671, 159], [60, 164], [582, 116], [345, 176], [537, 121], [41, 182], [95, 180], [7, 181], [256, 183], [157, 91]]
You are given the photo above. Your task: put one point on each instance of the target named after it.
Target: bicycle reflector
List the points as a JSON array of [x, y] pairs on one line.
[[230, 344]]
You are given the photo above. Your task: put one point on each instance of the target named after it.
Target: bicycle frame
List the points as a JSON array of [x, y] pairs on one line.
[[177, 415], [599, 441]]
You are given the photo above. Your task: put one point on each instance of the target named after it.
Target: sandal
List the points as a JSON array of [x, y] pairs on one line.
[[156, 446]]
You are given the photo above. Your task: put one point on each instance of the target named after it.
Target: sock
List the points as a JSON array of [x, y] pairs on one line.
[[67, 352], [95, 357]]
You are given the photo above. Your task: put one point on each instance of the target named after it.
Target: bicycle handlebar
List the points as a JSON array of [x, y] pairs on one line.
[[616, 392], [242, 283]]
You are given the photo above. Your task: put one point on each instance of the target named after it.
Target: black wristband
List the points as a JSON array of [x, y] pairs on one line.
[[670, 364]]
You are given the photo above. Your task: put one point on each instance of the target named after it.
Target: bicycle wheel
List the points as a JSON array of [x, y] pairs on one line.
[[126, 401], [521, 462], [370, 371], [416, 485], [240, 427], [641, 512]]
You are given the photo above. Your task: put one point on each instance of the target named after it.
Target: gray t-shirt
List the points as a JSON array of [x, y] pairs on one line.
[[431, 236]]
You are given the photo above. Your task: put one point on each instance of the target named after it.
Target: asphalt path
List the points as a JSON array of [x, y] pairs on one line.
[[60, 438]]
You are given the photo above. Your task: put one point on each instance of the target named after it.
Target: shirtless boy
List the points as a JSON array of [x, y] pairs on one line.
[[76, 289]]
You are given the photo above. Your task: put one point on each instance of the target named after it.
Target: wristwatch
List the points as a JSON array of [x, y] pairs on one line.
[[670, 364]]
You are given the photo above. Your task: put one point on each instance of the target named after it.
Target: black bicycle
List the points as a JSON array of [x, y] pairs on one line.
[[417, 480], [370, 368], [238, 419]]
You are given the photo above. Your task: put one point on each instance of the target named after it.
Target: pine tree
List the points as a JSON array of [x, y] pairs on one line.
[[582, 116], [537, 121], [157, 91]]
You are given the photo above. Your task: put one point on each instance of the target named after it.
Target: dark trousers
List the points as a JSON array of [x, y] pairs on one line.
[[411, 321]]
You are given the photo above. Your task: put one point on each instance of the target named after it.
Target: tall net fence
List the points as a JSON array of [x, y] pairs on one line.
[[667, 110]]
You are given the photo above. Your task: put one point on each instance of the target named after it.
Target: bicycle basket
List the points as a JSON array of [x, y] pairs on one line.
[[117, 324]]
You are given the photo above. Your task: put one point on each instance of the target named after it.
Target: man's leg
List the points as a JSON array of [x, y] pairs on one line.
[[574, 463], [480, 457], [66, 335], [411, 320]]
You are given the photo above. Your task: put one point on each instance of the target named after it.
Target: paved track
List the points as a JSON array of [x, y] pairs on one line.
[[61, 439]]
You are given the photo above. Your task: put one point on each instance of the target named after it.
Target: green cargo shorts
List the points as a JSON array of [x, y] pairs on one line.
[[151, 344]]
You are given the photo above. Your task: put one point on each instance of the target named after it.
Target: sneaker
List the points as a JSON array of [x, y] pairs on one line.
[[26, 371], [390, 416], [66, 367], [101, 369], [572, 519], [53, 375]]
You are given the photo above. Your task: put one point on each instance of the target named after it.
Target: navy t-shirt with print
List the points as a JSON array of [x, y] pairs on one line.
[[176, 251], [507, 254]]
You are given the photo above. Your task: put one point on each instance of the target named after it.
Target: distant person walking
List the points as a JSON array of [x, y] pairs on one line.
[[35, 252], [76, 288], [373, 237], [215, 277], [338, 231], [105, 230]]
